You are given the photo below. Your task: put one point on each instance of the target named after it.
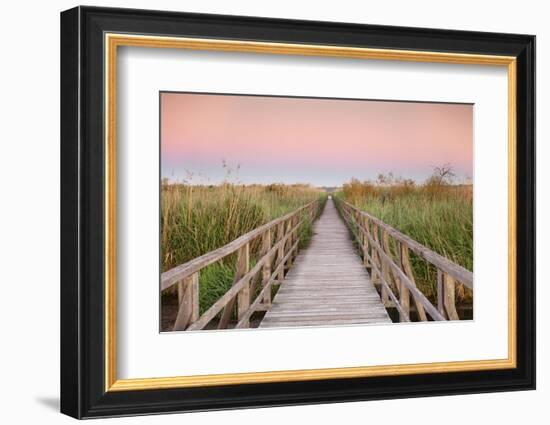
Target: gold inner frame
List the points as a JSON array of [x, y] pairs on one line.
[[113, 41]]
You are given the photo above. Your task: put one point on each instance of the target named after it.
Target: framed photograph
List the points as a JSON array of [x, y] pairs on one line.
[[261, 212]]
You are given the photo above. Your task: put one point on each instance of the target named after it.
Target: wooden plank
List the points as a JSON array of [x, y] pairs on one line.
[[357, 321], [321, 309], [334, 290], [328, 292], [331, 314], [314, 302]]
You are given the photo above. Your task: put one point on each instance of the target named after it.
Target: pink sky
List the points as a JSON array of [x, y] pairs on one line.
[[324, 142]]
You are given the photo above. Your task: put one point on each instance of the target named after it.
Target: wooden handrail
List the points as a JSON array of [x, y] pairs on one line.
[[285, 249], [384, 269], [176, 274]]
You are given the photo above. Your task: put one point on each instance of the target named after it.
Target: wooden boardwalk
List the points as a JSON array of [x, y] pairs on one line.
[[327, 284]]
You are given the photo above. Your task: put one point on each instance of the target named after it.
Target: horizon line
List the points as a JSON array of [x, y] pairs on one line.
[[374, 183]]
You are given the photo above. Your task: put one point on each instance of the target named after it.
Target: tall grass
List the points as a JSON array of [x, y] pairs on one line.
[[196, 219], [437, 214]]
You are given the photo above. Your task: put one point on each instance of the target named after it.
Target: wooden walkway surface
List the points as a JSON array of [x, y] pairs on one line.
[[328, 284]]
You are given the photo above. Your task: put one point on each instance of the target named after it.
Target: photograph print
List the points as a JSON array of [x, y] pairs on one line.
[[283, 212]]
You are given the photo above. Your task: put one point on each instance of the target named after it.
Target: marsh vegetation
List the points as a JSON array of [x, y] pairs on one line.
[[197, 219], [437, 213]]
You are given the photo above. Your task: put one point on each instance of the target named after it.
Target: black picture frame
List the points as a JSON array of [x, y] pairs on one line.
[[83, 392]]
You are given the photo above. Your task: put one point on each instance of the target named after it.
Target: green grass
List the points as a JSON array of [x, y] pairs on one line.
[[198, 219], [214, 281]]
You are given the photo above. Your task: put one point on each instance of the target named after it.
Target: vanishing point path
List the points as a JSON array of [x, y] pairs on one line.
[[328, 283]]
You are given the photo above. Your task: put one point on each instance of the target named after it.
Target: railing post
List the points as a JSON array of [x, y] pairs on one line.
[[243, 297], [288, 242], [359, 224], [294, 237], [385, 266], [188, 301], [374, 255], [404, 295], [195, 301], [440, 293], [281, 251], [266, 269], [407, 268], [365, 232], [449, 300], [181, 286], [381, 266]]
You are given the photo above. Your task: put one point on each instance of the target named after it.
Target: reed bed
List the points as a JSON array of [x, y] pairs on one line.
[[437, 214], [196, 219]]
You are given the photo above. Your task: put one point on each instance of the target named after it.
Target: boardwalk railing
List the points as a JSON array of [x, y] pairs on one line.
[[275, 256], [396, 276]]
